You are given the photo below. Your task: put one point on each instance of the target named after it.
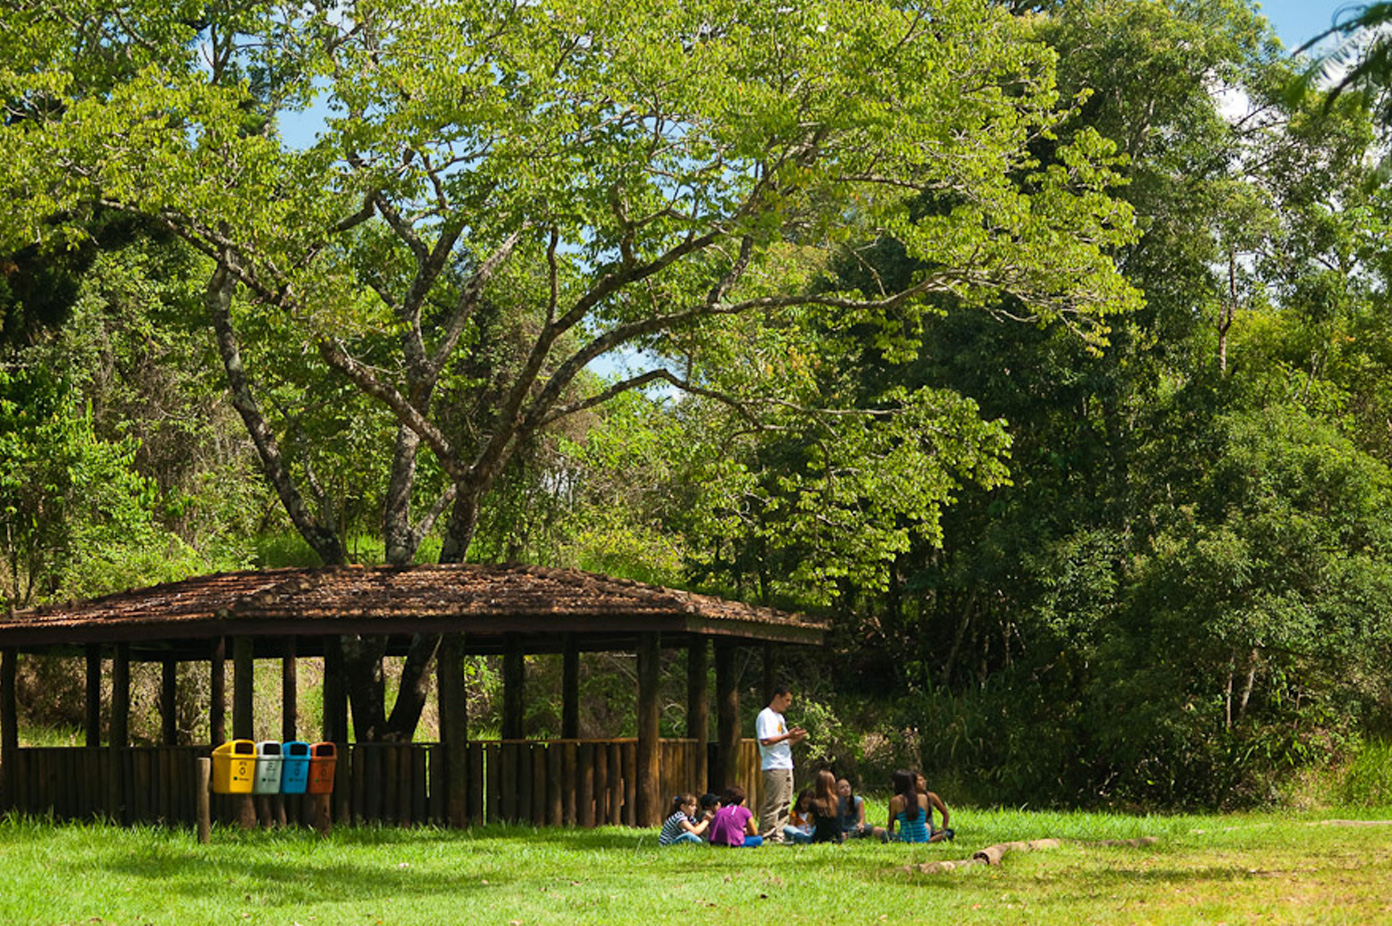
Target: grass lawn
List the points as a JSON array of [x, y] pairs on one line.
[[1259, 868]]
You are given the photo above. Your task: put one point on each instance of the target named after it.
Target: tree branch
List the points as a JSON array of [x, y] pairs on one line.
[[333, 352]]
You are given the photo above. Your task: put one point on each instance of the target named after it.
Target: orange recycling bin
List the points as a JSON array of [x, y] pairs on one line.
[[322, 758], [234, 767]]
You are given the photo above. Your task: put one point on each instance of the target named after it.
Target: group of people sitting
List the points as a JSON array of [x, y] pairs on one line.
[[828, 811]]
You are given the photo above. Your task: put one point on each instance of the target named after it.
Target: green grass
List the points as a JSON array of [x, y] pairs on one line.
[[1278, 867]]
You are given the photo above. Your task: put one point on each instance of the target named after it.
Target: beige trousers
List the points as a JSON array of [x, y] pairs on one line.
[[778, 799]]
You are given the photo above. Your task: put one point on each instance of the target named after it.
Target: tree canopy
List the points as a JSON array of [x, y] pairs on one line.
[[1043, 345]]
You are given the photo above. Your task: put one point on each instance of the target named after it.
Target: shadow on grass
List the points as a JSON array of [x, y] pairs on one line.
[[294, 867]]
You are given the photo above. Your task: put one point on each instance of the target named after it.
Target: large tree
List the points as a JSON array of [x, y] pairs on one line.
[[500, 194]]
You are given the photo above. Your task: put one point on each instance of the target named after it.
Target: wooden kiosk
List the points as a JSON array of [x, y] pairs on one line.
[[287, 614]]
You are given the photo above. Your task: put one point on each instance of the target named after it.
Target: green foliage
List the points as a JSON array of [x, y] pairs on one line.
[[1366, 781], [67, 499]]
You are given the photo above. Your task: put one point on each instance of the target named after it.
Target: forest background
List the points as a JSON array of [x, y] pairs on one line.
[[1042, 347]]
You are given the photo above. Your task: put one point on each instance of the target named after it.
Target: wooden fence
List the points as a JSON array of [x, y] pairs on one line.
[[536, 782]]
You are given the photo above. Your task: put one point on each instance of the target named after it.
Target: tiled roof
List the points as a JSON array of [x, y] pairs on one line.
[[469, 598]]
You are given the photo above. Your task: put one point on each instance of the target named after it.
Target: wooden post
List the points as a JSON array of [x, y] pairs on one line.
[[217, 695], [120, 696], [698, 706], [770, 670], [507, 781], [585, 786], [629, 761], [570, 688], [555, 786], [119, 736], [289, 713], [289, 691], [476, 782], [94, 667], [493, 764], [9, 729], [323, 822], [169, 701], [246, 810], [454, 727], [243, 678], [335, 693], [727, 720], [649, 798], [570, 752], [514, 688], [601, 784], [205, 784]]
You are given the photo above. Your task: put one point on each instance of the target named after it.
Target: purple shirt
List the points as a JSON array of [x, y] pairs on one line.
[[727, 828]]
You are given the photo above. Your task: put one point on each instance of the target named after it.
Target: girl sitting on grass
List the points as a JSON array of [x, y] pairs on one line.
[[824, 809], [939, 833], [800, 820], [733, 824], [681, 825], [908, 809], [851, 810]]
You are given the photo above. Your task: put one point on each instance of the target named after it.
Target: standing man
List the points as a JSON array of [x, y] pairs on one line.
[[776, 755]]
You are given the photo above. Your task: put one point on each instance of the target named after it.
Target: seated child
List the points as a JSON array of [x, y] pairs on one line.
[[800, 821], [935, 834], [733, 824], [827, 824], [681, 825], [850, 808], [908, 810]]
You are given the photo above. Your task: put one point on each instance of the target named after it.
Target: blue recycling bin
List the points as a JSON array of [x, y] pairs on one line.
[[294, 767]]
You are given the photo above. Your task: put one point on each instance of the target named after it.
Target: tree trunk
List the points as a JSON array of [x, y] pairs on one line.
[[362, 668], [415, 688], [463, 521], [218, 301], [397, 535]]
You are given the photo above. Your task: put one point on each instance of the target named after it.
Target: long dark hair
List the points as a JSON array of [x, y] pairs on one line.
[[850, 798], [824, 797], [906, 786]]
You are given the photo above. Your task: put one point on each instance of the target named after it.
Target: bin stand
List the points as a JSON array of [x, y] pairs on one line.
[[323, 822], [205, 784], [246, 811], [270, 809], [246, 807]]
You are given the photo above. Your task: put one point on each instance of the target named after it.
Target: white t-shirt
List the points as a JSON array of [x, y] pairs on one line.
[[771, 723]]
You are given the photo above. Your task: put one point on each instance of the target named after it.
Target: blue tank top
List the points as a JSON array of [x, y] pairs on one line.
[[913, 830]]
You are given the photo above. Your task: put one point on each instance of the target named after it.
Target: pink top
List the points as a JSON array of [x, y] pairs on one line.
[[727, 828]]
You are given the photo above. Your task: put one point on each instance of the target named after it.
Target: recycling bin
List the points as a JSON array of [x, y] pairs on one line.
[[322, 757], [294, 767], [234, 767], [268, 763]]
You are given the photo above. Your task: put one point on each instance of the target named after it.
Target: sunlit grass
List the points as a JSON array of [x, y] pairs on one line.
[[1204, 869]]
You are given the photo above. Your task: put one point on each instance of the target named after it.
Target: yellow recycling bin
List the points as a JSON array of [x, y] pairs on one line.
[[234, 767]]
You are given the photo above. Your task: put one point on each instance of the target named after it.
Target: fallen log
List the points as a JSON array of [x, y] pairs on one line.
[[992, 855]]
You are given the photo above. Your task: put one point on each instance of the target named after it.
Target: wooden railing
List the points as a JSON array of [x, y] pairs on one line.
[[535, 782]]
